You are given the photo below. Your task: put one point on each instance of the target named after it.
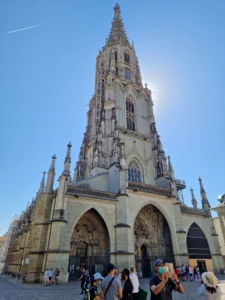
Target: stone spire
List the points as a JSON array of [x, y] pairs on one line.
[[205, 202], [42, 184], [51, 175], [67, 161], [170, 169], [117, 34], [193, 200]]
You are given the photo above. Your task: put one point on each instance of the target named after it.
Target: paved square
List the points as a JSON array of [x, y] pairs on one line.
[[13, 289]]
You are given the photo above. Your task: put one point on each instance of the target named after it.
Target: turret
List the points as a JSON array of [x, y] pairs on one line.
[[42, 184], [67, 161], [205, 202], [193, 200]]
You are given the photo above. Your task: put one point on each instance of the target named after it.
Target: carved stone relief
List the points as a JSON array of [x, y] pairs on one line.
[[152, 230]]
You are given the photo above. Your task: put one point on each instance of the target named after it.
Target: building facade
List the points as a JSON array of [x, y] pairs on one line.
[[123, 203]]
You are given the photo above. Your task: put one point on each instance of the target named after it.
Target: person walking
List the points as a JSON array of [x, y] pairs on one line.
[[87, 279], [161, 286], [111, 286], [135, 283], [209, 289], [128, 286], [82, 279]]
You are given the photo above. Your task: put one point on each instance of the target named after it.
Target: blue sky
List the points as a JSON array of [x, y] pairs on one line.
[[47, 79]]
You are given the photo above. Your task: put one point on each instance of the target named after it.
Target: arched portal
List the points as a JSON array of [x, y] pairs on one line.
[[152, 240], [89, 245], [198, 248]]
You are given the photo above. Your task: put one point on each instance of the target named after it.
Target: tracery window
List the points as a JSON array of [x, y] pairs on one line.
[[127, 74], [130, 114], [134, 173]]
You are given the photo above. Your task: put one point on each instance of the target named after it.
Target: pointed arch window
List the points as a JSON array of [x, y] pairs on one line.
[[134, 172], [197, 243], [130, 114]]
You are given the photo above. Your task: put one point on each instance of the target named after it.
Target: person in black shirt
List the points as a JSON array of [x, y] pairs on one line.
[[128, 287], [161, 286], [95, 281]]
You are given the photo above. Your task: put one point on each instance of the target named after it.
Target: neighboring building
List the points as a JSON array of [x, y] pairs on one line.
[[218, 229], [123, 204], [2, 243], [219, 223], [8, 239]]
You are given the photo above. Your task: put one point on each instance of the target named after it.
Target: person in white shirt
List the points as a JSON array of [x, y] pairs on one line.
[[135, 283], [46, 277], [190, 273]]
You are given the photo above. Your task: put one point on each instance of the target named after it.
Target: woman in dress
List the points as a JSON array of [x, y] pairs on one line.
[[209, 288]]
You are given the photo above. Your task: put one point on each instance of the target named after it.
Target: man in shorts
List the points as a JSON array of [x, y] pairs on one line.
[[111, 285]]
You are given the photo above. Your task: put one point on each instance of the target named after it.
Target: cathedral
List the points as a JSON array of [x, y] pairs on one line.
[[123, 203]]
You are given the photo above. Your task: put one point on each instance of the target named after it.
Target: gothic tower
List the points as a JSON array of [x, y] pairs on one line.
[[121, 122]]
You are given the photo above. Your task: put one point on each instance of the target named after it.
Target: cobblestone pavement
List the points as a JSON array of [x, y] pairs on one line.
[[13, 289]]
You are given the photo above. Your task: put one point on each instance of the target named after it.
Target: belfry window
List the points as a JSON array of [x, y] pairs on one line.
[[126, 58], [134, 173], [127, 74], [116, 56], [130, 114]]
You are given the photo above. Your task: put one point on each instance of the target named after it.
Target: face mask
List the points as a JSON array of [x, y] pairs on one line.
[[161, 270], [99, 283]]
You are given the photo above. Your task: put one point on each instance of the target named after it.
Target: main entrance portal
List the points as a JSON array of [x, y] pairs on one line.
[[152, 240], [89, 245]]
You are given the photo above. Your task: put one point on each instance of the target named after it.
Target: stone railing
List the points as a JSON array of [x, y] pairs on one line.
[[190, 210], [181, 184], [148, 188], [81, 192], [135, 133]]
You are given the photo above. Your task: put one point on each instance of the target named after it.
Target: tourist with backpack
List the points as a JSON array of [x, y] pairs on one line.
[[92, 292]]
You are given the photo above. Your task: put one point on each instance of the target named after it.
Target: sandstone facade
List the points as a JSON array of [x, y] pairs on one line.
[[123, 204]]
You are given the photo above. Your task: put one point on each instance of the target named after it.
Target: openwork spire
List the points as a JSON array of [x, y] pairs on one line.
[[117, 34]]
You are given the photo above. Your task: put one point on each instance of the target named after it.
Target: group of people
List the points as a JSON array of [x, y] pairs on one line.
[[162, 284], [187, 273], [48, 276], [110, 286]]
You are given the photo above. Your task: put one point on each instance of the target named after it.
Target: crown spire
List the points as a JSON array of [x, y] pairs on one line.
[[51, 175], [117, 34]]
